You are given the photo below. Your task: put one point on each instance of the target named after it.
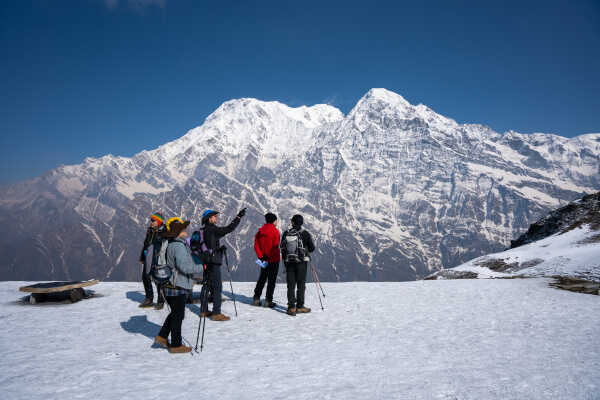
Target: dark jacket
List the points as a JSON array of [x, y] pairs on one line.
[[154, 239], [266, 243], [213, 233], [307, 241]]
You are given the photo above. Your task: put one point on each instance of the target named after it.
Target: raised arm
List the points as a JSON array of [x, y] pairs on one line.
[[221, 231]]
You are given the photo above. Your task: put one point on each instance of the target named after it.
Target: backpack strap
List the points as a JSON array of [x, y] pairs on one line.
[[162, 257], [300, 238]]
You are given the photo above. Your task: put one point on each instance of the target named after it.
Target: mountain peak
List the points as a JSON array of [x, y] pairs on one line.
[[385, 102], [386, 96], [310, 116]]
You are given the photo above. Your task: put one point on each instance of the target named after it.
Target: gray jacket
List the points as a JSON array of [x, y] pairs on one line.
[[179, 258]]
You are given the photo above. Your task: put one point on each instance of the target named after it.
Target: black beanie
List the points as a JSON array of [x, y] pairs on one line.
[[297, 220], [270, 217]]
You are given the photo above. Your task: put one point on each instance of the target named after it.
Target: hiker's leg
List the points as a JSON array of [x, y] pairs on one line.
[[147, 281], [301, 282], [260, 284], [272, 270]]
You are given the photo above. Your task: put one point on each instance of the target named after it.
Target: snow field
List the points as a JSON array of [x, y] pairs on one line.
[[457, 339]]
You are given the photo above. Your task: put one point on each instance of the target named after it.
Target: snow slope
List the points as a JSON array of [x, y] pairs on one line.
[[463, 339], [574, 254]]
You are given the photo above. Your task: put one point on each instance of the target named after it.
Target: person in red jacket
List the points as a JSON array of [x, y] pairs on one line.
[[266, 246]]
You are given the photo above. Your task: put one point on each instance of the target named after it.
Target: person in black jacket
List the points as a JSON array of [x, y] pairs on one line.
[[295, 254], [154, 239], [212, 234]]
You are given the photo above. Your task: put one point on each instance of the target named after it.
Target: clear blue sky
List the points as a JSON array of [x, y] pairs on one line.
[[92, 77]]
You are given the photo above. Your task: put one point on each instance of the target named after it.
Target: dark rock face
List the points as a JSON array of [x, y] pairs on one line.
[[390, 192], [584, 211]]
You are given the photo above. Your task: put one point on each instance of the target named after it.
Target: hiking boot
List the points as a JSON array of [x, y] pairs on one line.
[[291, 311], [147, 303], [159, 306], [162, 341], [205, 314], [302, 310], [219, 317], [256, 302], [269, 304], [180, 349]]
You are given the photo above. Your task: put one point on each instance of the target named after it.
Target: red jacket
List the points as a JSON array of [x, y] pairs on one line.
[[266, 243]]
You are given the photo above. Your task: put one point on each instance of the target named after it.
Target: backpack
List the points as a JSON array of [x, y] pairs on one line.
[[293, 246], [162, 272], [200, 252]]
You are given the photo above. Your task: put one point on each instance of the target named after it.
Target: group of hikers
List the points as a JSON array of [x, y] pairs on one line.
[[177, 262]]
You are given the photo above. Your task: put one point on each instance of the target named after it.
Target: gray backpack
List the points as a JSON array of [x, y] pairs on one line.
[[162, 272], [293, 246]]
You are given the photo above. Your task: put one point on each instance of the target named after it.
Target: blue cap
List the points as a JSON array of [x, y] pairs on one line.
[[207, 214]]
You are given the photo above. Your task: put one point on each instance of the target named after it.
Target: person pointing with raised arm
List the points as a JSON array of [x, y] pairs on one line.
[[212, 234]]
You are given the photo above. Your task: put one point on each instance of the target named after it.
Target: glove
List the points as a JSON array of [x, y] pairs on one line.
[[242, 212], [263, 259], [145, 253], [222, 248]]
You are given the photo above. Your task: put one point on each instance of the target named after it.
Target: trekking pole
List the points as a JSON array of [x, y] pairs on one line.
[[230, 284], [312, 266], [319, 282], [317, 276], [317, 288], [198, 335], [202, 320], [165, 298]]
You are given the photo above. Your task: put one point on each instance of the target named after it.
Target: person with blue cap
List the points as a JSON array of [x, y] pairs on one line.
[[212, 235]]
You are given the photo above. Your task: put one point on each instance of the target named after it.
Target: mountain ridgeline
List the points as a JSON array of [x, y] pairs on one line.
[[391, 191]]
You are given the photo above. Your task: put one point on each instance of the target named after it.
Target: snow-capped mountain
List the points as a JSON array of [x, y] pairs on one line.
[[391, 191]]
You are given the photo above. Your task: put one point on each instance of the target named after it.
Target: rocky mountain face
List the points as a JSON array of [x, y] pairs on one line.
[[585, 211], [391, 191]]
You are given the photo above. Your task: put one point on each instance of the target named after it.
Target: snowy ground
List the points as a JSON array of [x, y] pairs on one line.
[[461, 339]]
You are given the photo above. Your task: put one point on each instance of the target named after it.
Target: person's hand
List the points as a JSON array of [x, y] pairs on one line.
[[222, 248], [242, 212], [263, 259]]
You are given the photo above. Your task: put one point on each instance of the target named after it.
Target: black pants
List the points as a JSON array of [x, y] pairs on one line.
[[296, 277], [215, 286], [174, 320], [147, 281], [267, 273]]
